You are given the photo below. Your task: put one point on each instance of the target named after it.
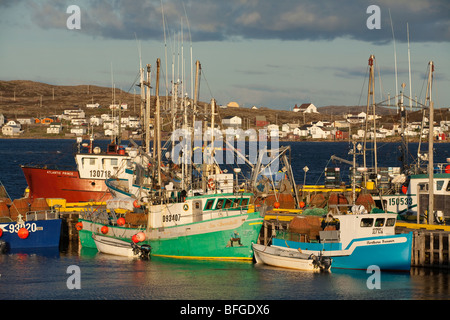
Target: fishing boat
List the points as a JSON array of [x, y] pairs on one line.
[[114, 246], [353, 241], [183, 211], [83, 184], [280, 257], [25, 225]]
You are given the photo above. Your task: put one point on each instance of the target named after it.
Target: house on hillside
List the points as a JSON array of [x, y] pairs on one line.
[[260, 121], [306, 108], [11, 129], [356, 117], [232, 121], [55, 129]]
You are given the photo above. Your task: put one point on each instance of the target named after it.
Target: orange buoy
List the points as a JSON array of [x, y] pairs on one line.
[[140, 236], [23, 233], [447, 168], [79, 226], [1, 233], [136, 204], [134, 239], [276, 205], [104, 229], [121, 221], [302, 204]]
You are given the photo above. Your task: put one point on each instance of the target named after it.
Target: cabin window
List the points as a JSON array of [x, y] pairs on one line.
[[228, 203], [244, 203], [379, 222], [197, 205], [209, 204], [114, 162], [219, 203], [448, 186], [390, 222], [366, 222], [439, 185]]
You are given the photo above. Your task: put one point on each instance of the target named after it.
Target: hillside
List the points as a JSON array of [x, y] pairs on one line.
[[22, 98]]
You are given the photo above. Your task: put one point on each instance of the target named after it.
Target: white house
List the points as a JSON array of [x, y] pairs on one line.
[[79, 131], [54, 129], [317, 132], [95, 121], [93, 105], [306, 108], [11, 130], [25, 120], [302, 131], [356, 117], [134, 122], [73, 114], [232, 121]]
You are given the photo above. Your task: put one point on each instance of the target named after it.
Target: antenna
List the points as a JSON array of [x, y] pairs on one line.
[[409, 68], [395, 61]]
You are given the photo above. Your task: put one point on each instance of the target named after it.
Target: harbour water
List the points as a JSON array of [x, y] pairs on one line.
[[81, 274]]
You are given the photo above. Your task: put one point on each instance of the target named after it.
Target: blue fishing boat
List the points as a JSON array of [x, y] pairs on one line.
[[28, 224], [352, 241]]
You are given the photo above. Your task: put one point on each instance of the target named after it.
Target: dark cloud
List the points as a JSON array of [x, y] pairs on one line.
[[252, 19]]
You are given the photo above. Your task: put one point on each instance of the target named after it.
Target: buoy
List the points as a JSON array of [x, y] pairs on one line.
[[302, 204], [1, 233], [104, 229], [136, 204], [23, 233], [276, 205], [121, 221], [447, 168], [79, 226], [140, 236], [134, 239]]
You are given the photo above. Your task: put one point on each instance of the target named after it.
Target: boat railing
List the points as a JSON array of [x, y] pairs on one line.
[[42, 215]]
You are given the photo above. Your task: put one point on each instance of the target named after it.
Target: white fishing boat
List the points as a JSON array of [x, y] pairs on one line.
[[114, 246], [279, 257]]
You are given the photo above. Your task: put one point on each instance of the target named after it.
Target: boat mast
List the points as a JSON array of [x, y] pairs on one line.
[[430, 147], [158, 124], [147, 111], [371, 90], [409, 69]]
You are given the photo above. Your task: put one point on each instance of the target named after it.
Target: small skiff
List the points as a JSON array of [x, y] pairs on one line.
[[113, 246], [279, 257]]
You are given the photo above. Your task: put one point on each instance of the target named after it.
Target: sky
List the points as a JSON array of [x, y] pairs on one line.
[[265, 53]]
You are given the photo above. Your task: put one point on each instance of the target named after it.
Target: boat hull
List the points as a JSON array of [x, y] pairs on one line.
[[65, 184], [272, 257], [42, 234], [210, 239], [387, 252], [113, 246]]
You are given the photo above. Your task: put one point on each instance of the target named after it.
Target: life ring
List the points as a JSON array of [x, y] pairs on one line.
[[211, 184]]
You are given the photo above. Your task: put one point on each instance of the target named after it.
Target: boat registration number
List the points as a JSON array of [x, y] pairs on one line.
[[400, 201], [31, 227], [171, 217], [100, 173]]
